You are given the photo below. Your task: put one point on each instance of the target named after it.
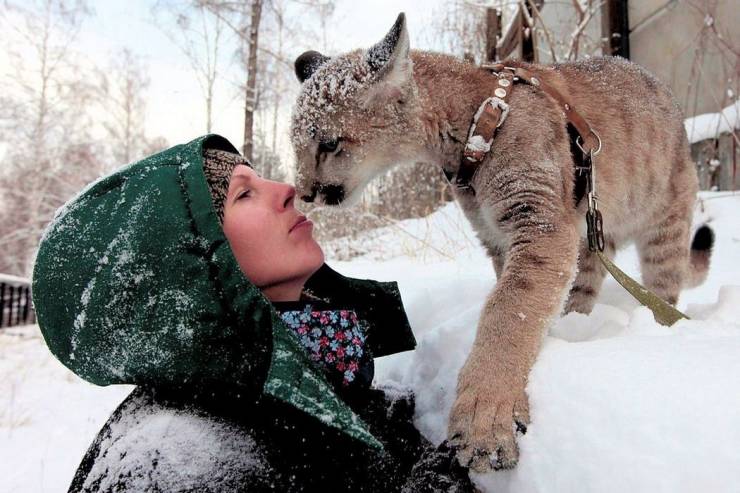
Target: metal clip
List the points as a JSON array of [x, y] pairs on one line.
[[580, 146], [595, 225], [594, 221], [465, 187]]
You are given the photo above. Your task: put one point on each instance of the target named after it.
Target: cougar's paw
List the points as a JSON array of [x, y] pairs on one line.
[[484, 423]]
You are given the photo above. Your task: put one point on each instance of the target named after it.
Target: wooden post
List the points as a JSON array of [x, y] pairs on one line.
[[701, 153], [725, 156], [510, 39], [735, 177], [2, 303], [526, 33], [493, 32], [19, 297], [11, 299], [26, 304], [615, 28]]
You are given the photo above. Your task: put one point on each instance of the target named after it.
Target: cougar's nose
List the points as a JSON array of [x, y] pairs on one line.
[[312, 196]]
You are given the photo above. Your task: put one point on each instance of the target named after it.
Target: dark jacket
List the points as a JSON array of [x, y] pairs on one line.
[[160, 442], [135, 283]]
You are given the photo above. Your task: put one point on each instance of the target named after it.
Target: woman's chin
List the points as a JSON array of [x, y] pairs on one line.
[[319, 257]]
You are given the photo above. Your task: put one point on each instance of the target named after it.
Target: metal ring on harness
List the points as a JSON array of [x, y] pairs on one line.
[[579, 140]]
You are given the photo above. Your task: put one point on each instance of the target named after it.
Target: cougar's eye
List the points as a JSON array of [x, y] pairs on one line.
[[328, 146]]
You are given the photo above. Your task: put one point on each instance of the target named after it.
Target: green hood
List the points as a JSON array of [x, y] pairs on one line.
[[135, 283]]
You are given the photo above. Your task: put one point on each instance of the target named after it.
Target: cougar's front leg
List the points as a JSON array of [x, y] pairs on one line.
[[491, 402]]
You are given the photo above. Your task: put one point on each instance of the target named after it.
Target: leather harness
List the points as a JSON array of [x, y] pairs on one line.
[[493, 112]]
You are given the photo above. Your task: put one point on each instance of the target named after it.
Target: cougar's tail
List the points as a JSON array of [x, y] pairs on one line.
[[701, 252]]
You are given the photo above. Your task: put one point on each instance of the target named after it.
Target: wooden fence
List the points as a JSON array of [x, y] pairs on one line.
[[716, 163], [16, 307]]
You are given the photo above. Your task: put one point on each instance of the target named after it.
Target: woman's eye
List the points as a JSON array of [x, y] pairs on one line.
[[243, 194], [327, 146]]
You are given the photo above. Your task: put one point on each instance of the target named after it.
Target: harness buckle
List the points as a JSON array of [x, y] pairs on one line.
[[494, 101]]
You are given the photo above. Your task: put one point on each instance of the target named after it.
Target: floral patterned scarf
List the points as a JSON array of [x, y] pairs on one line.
[[335, 339]]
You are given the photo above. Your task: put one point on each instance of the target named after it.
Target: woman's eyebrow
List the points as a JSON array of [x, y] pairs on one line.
[[237, 180], [241, 178]]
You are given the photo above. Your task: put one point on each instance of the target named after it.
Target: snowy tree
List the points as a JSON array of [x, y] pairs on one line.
[[124, 85], [459, 28], [46, 122], [199, 34], [267, 80], [535, 30]]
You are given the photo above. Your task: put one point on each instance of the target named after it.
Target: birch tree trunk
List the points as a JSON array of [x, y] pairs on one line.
[[250, 93]]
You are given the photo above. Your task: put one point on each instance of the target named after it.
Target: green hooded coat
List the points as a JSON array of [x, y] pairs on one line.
[[135, 283]]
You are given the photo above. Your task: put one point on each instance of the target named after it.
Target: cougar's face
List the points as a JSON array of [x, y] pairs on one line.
[[340, 150], [353, 118]]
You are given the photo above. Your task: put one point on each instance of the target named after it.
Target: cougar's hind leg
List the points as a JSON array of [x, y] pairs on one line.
[[664, 255], [589, 279]]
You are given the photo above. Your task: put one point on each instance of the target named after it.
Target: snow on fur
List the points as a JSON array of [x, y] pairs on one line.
[[327, 91]]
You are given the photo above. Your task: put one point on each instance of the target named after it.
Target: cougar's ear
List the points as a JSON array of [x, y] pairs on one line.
[[307, 63], [390, 57], [391, 63]]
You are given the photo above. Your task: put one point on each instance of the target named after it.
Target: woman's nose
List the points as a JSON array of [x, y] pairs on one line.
[[285, 195]]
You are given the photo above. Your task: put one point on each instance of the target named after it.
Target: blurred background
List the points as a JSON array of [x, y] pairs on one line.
[[90, 86]]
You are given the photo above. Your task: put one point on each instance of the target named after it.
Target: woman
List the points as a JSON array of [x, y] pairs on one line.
[[193, 278]]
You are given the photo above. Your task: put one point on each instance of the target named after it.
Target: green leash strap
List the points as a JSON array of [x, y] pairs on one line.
[[664, 313]]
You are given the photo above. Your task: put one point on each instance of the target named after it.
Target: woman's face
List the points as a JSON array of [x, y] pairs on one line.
[[272, 241]]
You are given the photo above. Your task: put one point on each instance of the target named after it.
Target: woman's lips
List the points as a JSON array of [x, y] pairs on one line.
[[300, 223]]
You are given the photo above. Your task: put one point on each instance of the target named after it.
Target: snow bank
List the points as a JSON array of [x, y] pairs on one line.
[[711, 125], [14, 280], [618, 402], [48, 416]]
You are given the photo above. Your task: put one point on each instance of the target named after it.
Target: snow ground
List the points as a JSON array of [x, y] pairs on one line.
[[618, 402]]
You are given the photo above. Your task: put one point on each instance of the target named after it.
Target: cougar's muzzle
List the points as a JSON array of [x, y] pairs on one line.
[[310, 197], [330, 194]]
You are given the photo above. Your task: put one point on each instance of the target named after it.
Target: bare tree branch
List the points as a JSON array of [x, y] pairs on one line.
[[544, 29], [575, 36]]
